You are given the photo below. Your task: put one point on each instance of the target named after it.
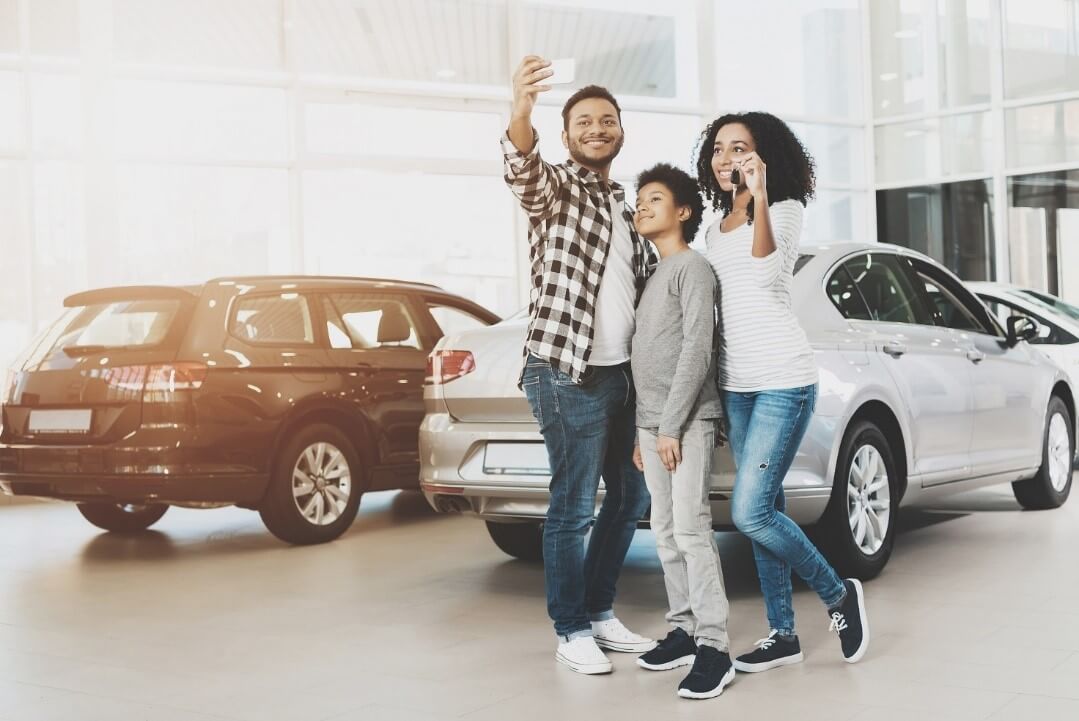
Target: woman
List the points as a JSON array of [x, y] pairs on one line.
[[757, 173]]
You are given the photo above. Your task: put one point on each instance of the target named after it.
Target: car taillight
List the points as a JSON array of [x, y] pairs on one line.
[[156, 383], [172, 377], [444, 366]]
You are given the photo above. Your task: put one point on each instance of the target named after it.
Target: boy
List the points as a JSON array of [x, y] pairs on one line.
[[678, 405]]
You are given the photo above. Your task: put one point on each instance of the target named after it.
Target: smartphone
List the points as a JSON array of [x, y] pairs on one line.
[[736, 176], [563, 69]]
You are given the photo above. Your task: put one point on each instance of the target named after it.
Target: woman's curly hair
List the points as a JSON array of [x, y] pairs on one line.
[[791, 170]]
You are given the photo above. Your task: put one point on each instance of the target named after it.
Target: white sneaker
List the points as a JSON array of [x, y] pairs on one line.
[[612, 635], [583, 656]]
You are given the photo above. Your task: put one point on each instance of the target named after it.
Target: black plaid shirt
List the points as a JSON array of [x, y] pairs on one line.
[[569, 235]]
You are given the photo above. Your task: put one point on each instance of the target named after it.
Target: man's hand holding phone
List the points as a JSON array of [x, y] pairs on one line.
[[528, 82]]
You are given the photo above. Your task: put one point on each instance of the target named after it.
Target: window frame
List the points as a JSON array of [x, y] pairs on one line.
[[836, 270], [313, 314], [918, 267], [903, 263], [1054, 329], [405, 300]]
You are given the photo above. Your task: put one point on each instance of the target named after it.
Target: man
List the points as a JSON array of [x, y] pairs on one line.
[[589, 267]]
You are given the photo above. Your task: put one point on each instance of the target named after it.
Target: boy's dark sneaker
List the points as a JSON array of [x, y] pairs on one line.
[[850, 622], [711, 672], [771, 652], [678, 649]]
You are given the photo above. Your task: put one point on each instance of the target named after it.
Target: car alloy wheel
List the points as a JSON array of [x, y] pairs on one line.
[[869, 502], [321, 483], [1059, 452]]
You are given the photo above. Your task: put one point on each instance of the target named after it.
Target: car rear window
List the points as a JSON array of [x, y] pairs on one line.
[[128, 324]]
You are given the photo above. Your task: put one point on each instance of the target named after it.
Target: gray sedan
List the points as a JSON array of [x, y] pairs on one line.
[[922, 392]]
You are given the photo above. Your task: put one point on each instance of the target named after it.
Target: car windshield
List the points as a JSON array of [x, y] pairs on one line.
[[1053, 303]]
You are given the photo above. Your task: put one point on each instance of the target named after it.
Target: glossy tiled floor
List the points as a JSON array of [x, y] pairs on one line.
[[415, 616]]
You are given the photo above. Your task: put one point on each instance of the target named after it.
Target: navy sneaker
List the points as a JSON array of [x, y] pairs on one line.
[[711, 672], [771, 652], [678, 649], [850, 622]]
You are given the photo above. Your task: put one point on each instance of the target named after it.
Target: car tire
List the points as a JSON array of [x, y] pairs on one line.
[[123, 517], [850, 529], [1052, 484], [520, 540], [315, 487]]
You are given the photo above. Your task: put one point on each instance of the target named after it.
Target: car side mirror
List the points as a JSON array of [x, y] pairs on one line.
[[1020, 328]]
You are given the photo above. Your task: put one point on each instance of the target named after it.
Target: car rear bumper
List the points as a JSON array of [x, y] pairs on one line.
[[130, 475], [454, 480]]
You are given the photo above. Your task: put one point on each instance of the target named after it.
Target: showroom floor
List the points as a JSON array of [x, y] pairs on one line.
[[416, 616]]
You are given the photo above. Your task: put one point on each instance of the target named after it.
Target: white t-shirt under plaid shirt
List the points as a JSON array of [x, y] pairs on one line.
[[570, 233]]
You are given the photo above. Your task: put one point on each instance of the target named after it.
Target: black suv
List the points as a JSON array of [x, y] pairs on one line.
[[289, 395]]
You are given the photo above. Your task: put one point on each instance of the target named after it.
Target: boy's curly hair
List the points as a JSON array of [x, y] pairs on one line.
[[684, 189]]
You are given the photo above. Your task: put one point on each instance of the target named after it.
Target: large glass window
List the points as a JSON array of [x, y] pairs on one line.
[[935, 147], [9, 27], [403, 131], [838, 150], [201, 121], [1041, 47], [454, 42], [410, 226], [15, 290], [59, 233], [1043, 134], [629, 53], [835, 216], [820, 42], [11, 112], [1043, 214], [951, 223], [190, 224], [54, 27], [232, 34], [929, 54], [56, 107]]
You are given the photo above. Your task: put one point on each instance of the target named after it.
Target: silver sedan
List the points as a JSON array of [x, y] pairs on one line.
[[922, 392]]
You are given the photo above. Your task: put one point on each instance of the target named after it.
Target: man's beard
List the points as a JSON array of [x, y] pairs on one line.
[[575, 152]]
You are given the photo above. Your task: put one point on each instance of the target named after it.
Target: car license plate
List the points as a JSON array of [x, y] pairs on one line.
[[516, 459], [66, 421]]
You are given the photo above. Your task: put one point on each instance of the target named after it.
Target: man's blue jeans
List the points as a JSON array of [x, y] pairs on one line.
[[589, 430], [765, 430]]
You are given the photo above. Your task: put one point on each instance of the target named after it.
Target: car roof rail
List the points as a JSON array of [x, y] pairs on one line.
[[362, 279]]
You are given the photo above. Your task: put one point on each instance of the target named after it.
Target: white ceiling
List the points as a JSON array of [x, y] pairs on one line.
[[466, 41]]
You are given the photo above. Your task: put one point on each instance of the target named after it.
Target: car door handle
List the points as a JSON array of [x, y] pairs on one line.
[[975, 356], [895, 348]]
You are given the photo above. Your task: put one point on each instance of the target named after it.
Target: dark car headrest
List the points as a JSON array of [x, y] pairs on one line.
[[393, 326]]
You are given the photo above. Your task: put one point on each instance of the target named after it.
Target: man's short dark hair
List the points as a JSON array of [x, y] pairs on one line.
[[684, 189], [585, 93]]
